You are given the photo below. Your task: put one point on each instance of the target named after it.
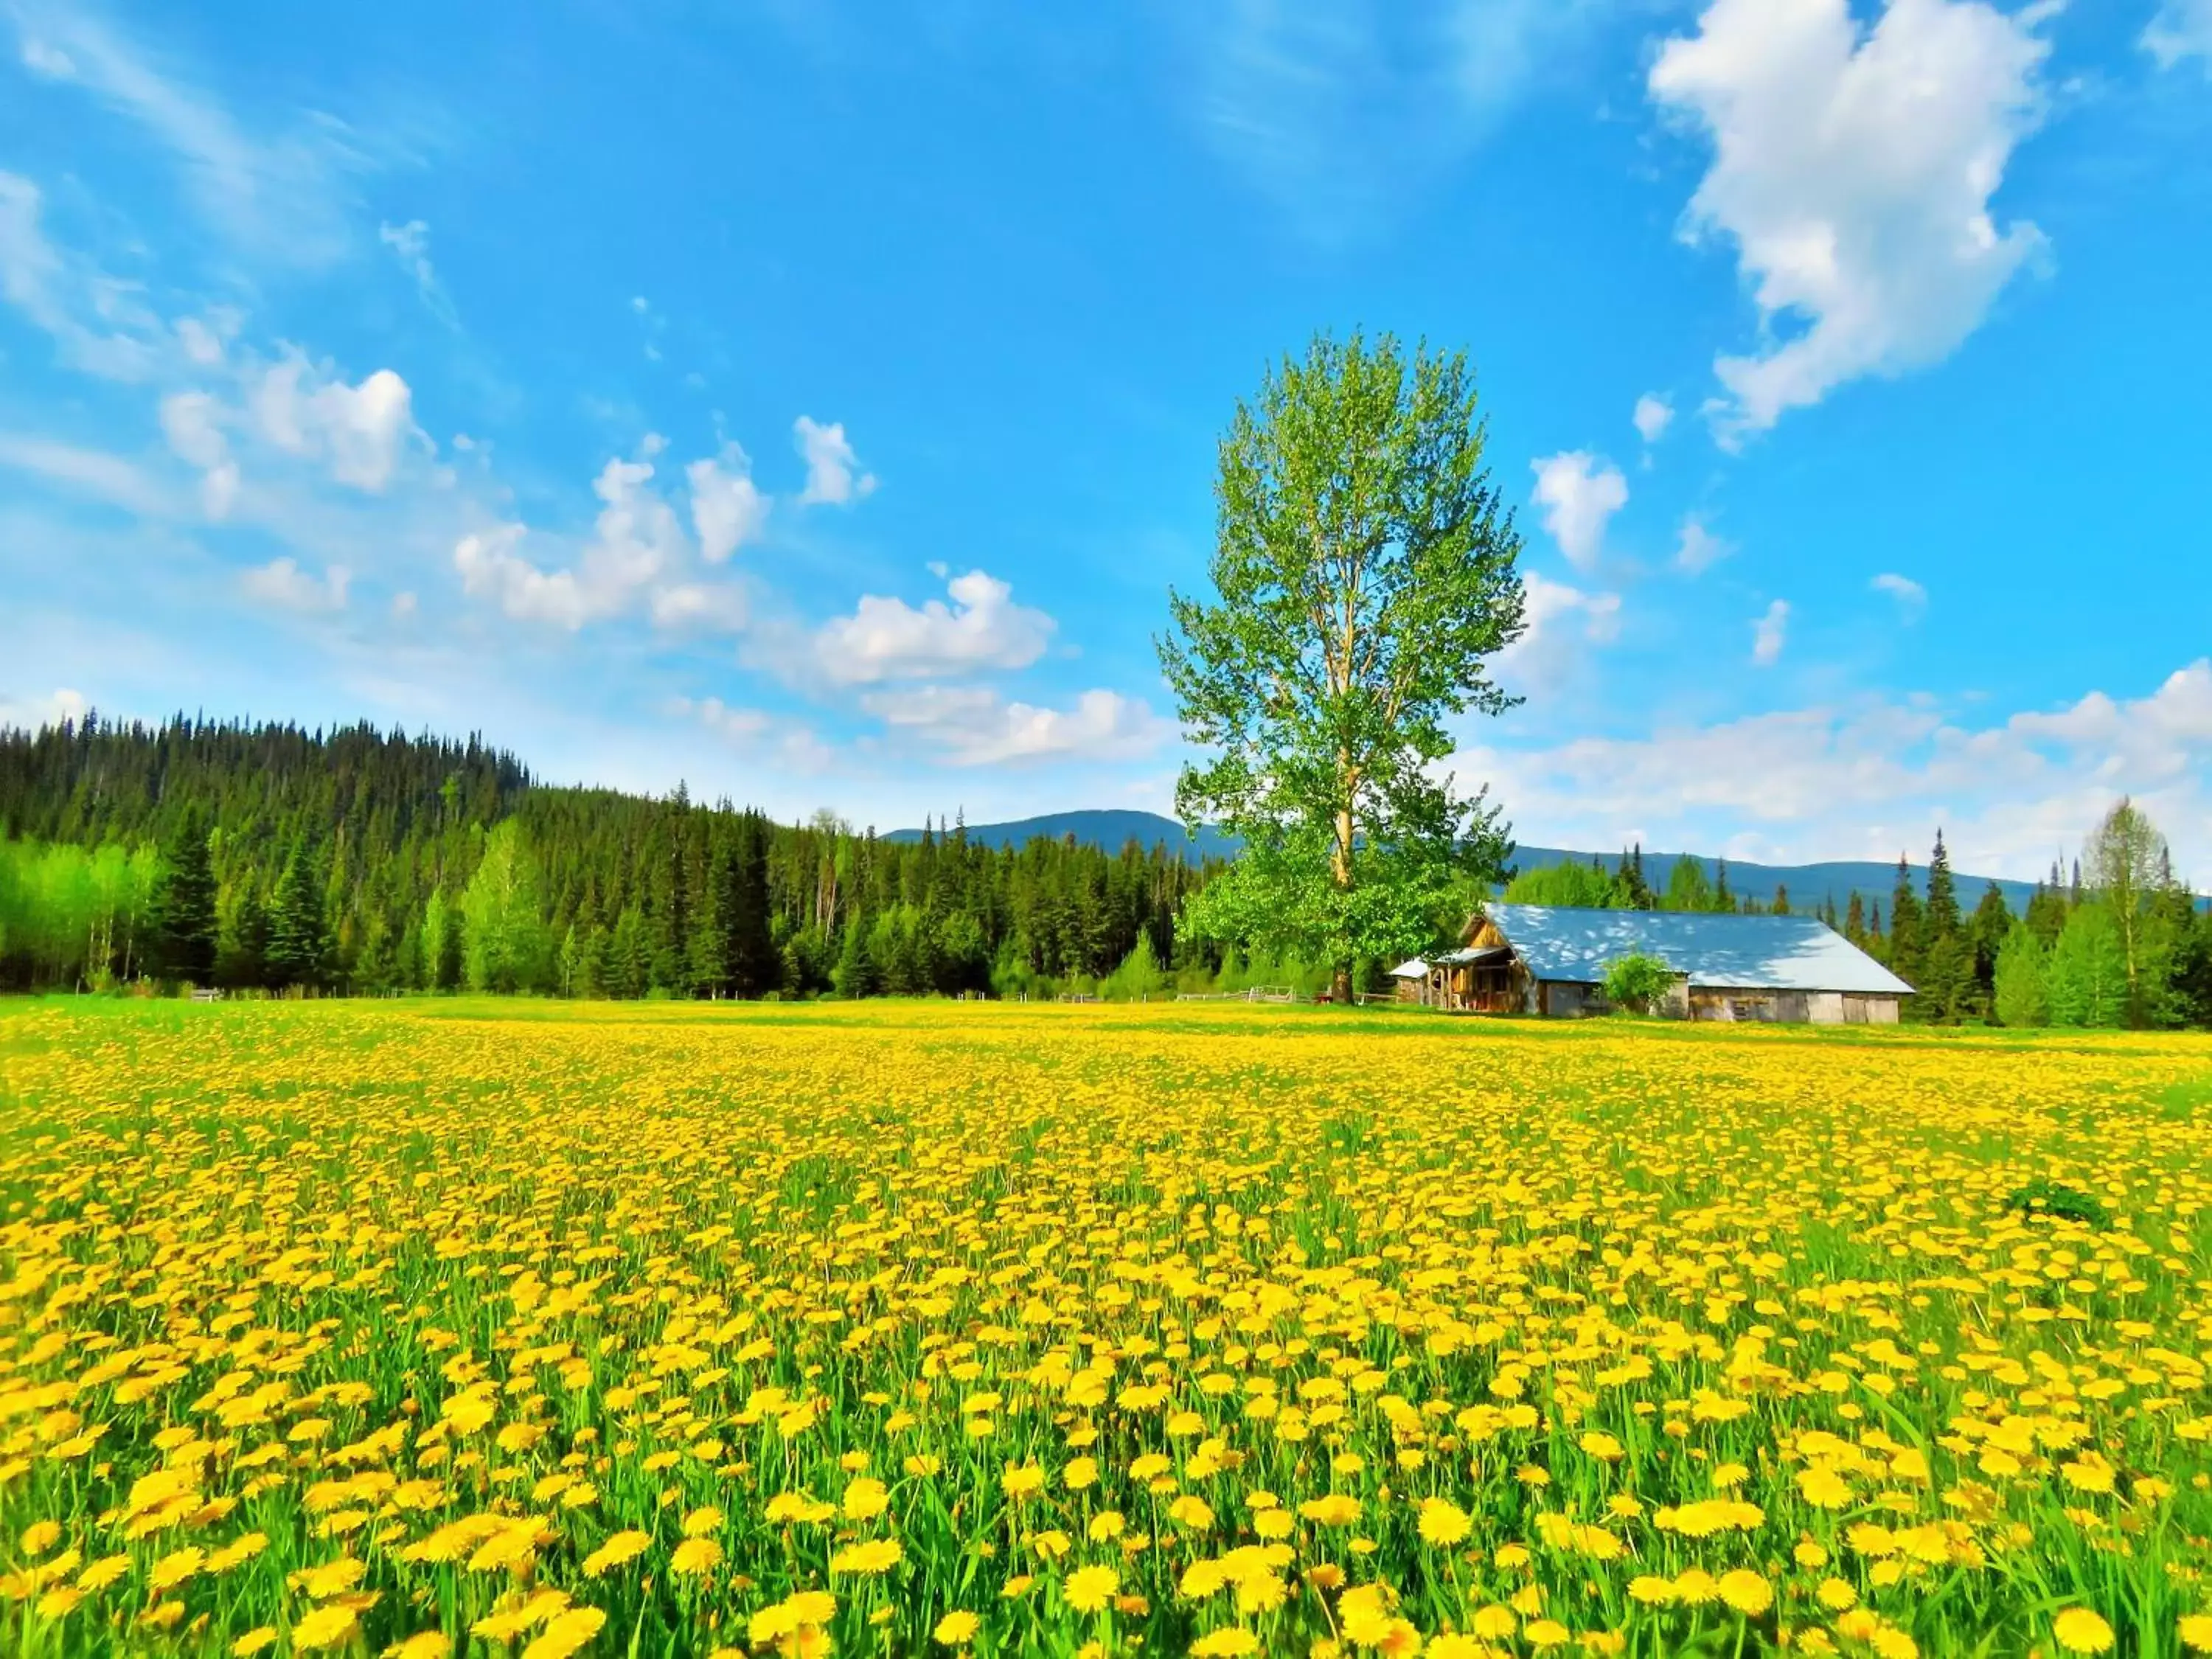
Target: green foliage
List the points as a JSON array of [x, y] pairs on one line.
[[635, 896], [1139, 975], [2021, 988], [1687, 889], [502, 916], [185, 906], [2043, 1196], [299, 953], [1637, 982], [2088, 975], [1578, 885], [1364, 574]]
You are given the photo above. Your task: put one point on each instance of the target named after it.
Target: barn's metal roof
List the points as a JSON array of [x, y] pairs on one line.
[[1776, 953]]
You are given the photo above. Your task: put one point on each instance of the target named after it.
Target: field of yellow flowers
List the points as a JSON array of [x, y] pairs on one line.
[[428, 1329]]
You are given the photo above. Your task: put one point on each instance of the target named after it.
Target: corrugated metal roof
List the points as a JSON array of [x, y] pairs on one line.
[[1778, 953], [1411, 967]]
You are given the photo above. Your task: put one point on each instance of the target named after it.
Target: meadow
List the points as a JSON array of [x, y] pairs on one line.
[[431, 1327]]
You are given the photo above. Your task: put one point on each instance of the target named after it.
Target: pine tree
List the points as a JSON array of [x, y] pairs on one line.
[[755, 966], [1781, 907], [243, 961], [1723, 899], [183, 905], [712, 936], [1904, 947], [299, 935], [1855, 927], [1945, 954], [856, 973], [1991, 925]]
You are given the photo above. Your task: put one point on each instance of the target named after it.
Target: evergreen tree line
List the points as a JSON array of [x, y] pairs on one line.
[[271, 857], [2120, 943]]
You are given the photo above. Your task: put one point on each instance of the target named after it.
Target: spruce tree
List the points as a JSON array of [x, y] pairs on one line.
[[299, 936], [1945, 954], [184, 904], [756, 965], [1905, 951]]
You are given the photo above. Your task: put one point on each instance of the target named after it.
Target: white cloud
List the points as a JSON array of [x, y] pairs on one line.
[[833, 470], [281, 582], [636, 536], [190, 420], [1769, 633], [1697, 550], [64, 296], [1871, 778], [1578, 492], [887, 639], [403, 605], [491, 567], [1561, 624], [1336, 113], [1853, 168], [358, 431], [411, 246], [794, 747], [972, 726], [36, 713], [2182, 28], [636, 546], [49, 61], [203, 344], [711, 607], [1654, 415], [110, 479], [727, 508], [283, 196], [1911, 597]]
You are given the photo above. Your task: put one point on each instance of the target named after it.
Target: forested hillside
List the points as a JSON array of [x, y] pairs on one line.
[[269, 856]]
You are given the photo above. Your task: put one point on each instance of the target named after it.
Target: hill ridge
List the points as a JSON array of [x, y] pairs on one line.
[[1810, 885]]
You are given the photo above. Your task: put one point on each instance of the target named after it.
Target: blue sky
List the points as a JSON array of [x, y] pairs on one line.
[[812, 402]]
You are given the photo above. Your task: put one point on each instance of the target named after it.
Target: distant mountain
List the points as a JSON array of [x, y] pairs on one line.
[[1808, 883], [1110, 827]]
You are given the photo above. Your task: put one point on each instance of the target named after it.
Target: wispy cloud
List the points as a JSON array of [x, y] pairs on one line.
[[1579, 493], [974, 726], [411, 246], [1338, 112], [1769, 633], [285, 196], [1911, 597]]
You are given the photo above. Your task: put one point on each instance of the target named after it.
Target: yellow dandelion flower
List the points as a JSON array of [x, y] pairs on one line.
[[1228, 1642], [956, 1629], [623, 1547], [1089, 1590], [1443, 1522], [695, 1556], [328, 1626], [565, 1633], [1747, 1592], [2078, 1630]]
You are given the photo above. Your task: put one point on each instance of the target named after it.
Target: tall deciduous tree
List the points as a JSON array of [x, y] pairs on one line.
[[2126, 865], [1365, 575]]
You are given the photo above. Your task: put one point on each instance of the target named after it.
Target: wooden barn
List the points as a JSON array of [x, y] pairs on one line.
[[1551, 961]]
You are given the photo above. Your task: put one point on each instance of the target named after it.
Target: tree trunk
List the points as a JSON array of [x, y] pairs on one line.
[[1339, 990]]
